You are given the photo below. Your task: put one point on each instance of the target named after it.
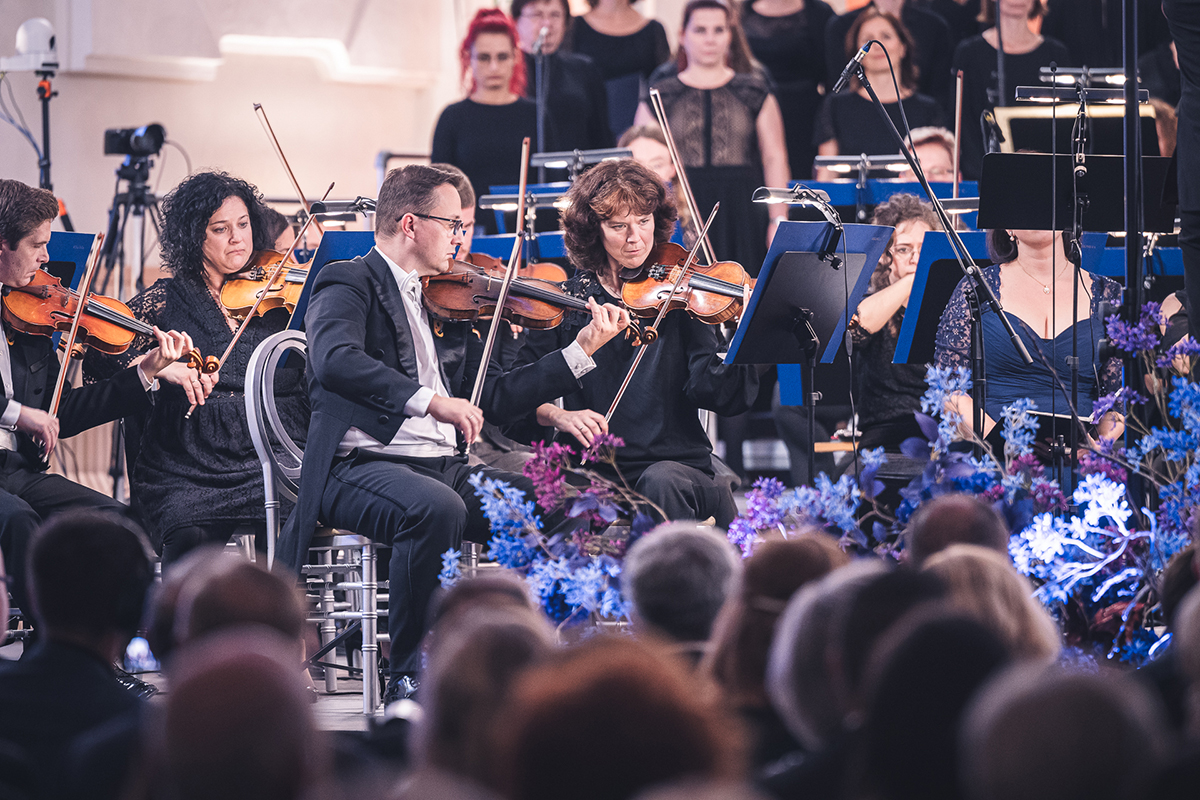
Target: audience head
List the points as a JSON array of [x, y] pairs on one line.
[[1180, 575], [471, 669], [4, 607], [198, 216], [911, 217], [532, 16], [746, 626], [887, 29], [1044, 733], [26, 215], [1186, 643], [89, 572], [953, 519], [231, 592], [609, 718], [871, 612], [466, 198], [985, 586], [608, 190], [799, 667], [649, 147], [934, 148], [489, 54], [922, 675], [160, 621], [677, 577], [712, 35], [237, 722]]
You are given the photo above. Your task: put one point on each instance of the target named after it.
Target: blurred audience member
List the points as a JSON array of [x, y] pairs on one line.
[[1164, 674], [746, 626], [927, 668], [953, 519], [676, 578], [89, 572], [1045, 733], [985, 586], [607, 719]]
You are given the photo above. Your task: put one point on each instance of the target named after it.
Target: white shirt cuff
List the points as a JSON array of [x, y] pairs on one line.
[[147, 384], [579, 362], [12, 413], [418, 404]]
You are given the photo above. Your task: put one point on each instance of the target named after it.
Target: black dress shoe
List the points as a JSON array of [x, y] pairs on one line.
[[402, 687], [134, 684]]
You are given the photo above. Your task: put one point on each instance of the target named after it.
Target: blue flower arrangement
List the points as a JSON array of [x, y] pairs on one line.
[[571, 576]]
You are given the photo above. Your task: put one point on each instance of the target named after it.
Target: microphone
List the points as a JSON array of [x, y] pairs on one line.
[[541, 40], [851, 67]]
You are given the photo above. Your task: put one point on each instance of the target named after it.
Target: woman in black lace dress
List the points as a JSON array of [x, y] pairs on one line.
[[728, 129], [198, 480]]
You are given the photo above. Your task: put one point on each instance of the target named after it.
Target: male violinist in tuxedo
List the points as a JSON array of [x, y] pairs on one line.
[[388, 408], [28, 370]]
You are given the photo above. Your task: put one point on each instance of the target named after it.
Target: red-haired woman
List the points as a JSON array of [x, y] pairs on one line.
[[482, 134]]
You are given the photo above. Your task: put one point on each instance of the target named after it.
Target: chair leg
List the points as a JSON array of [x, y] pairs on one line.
[[328, 624], [370, 623]]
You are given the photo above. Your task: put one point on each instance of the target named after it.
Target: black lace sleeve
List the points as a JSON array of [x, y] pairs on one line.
[[147, 307], [953, 343], [1105, 290]]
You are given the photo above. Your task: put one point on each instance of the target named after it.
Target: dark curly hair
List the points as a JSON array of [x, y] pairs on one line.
[[608, 189], [187, 210], [899, 208], [1002, 246]]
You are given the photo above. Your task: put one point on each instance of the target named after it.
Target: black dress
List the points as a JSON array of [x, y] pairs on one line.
[[484, 141], [625, 63], [792, 47], [717, 138], [889, 395], [576, 106], [854, 122], [977, 60], [201, 471]]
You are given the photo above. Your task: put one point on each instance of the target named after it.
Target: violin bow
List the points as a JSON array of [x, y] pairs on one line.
[[85, 289], [509, 273], [662, 312], [266, 123], [681, 178], [262, 295]]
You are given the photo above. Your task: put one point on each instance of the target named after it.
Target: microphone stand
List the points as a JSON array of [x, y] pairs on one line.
[[1079, 206], [539, 91], [984, 294]]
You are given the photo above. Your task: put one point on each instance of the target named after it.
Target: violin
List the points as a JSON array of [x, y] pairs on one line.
[[241, 292], [467, 293], [544, 270], [713, 294], [45, 307]]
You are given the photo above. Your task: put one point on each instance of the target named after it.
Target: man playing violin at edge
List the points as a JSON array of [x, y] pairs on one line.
[[382, 457], [619, 211], [29, 369]]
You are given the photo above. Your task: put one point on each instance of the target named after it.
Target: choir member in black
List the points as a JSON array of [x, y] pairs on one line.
[[1158, 73], [626, 46], [482, 134], [1025, 53], [932, 45], [788, 38], [849, 123], [29, 367], [962, 16], [727, 128], [388, 404], [1093, 30], [619, 211], [890, 394], [576, 104], [197, 479]]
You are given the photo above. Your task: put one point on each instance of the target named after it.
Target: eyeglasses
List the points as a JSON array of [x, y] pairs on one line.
[[457, 226], [905, 251]]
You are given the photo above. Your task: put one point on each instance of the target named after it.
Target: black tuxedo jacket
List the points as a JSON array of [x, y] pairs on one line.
[[362, 371], [35, 370]]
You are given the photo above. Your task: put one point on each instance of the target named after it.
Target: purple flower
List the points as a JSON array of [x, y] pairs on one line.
[[603, 448], [545, 469], [1142, 335], [1184, 347]]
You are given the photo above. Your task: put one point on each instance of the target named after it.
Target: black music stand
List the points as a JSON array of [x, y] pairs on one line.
[[810, 285], [335, 246], [937, 276]]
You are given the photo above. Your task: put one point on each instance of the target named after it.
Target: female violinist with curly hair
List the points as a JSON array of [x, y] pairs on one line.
[[196, 480]]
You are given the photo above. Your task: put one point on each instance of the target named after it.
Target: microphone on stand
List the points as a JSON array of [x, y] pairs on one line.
[[852, 67], [541, 40]]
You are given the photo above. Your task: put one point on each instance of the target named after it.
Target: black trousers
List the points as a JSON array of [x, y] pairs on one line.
[[420, 508], [684, 492], [27, 497]]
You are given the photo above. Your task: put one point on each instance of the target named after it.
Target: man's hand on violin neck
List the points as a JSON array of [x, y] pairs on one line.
[[607, 321], [171, 347], [40, 426], [459, 413]]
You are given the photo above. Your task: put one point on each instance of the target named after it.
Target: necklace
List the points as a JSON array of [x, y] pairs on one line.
[[1045, 288]]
